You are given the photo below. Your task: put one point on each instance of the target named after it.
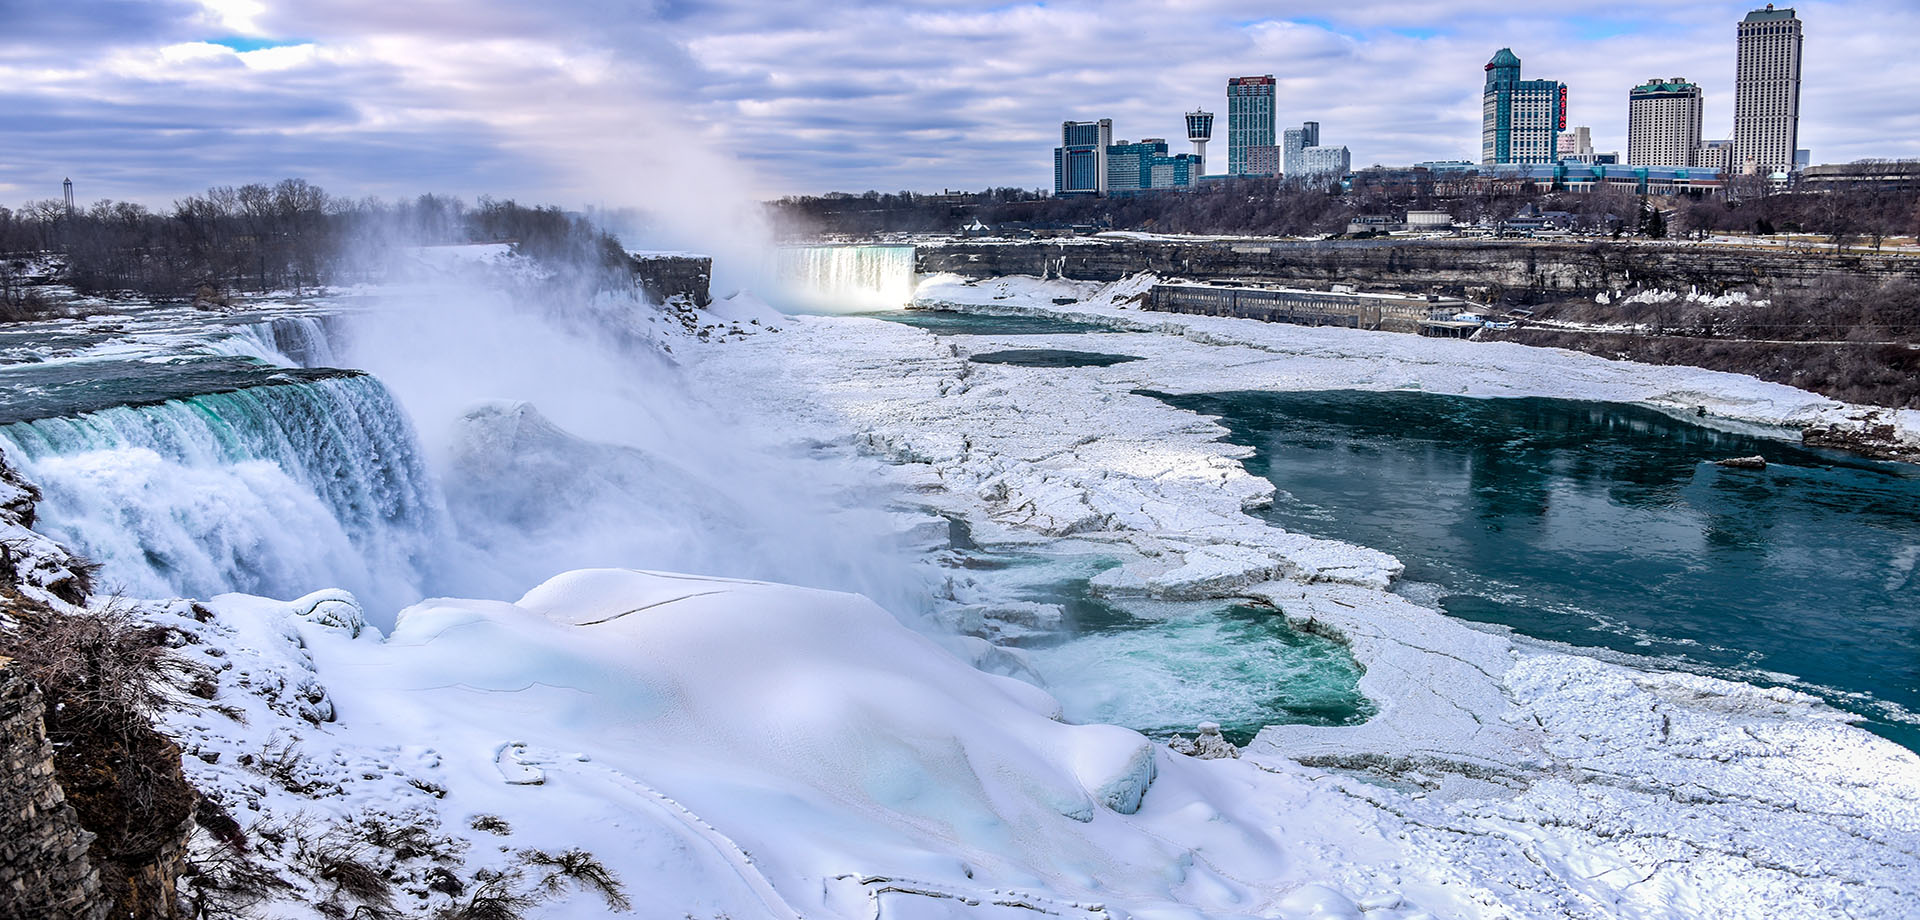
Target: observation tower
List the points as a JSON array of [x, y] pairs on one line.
[[1199, 131]]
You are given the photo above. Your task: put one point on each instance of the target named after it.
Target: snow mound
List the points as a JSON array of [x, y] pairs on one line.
[[732, 748]]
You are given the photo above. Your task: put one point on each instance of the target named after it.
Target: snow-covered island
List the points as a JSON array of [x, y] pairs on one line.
[[625, 706]]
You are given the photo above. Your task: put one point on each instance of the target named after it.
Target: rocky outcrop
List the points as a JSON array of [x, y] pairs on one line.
[[664, 276], [95, 812], [1210, 744], [1876, 435], [45, 870]]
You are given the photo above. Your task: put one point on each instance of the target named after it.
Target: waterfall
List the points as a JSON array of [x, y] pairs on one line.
[[844, 279], [288, 341], [274, 490]]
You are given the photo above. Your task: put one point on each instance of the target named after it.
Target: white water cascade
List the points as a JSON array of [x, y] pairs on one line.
[[287, 341], [275, 490], [847, 279]]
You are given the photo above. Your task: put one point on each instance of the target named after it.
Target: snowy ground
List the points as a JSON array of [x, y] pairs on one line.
[[1558, 785], [740, 749]]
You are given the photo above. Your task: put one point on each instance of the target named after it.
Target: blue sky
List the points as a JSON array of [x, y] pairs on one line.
[[605, 102]]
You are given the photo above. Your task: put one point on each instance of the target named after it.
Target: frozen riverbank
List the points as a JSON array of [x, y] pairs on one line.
[[745, 749], [1281, 357], [1572, 787]]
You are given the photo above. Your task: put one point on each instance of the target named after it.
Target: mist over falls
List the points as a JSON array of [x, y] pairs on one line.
[[267, 489], [508, 430], [840, 279]]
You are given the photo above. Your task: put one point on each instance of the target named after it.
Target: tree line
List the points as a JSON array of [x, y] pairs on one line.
[[291, 235], [1256, 206]]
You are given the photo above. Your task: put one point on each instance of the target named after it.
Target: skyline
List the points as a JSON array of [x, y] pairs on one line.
[[589, 102]]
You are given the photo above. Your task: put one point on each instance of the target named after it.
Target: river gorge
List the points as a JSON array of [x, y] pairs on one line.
[[941, 563]]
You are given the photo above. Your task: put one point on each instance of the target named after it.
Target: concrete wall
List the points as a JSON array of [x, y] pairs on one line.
[[1307, 308]]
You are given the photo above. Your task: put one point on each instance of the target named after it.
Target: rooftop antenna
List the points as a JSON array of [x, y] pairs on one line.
[[67, 186]]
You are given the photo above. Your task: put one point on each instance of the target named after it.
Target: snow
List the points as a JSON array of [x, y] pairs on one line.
[[743, 307], [462, 253], [1247, 355], [744, 749], [1560, 785]]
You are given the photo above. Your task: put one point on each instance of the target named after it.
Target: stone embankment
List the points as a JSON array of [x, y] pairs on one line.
[[1480, 270]]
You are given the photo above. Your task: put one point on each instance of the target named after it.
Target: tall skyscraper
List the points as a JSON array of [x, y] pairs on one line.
[[1663, 123], [1080, 162], [1766, 87], [1296, 140], [1519, 119], [1249, 118]]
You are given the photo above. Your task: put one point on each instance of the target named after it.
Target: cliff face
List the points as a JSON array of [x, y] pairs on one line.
[[45, 870], [94, 808], [1476, 269], [665, 275]]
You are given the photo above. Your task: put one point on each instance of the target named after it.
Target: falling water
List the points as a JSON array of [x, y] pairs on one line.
[[844, 279], [274, 490]]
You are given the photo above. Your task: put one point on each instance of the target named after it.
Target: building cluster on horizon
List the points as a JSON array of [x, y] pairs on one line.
[[1524, 131], [1089, 162], [1524, 122]]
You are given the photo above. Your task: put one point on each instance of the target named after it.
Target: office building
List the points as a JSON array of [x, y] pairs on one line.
[[1261, 161], [1147, 165], [1663, 123], [1520, 120], [1714, 155], [1294, 140], [1574, 144], [1249, 119], [1324, 162], [1766, 92], [1080, 162]]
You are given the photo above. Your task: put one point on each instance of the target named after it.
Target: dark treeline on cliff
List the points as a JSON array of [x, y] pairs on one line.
[[286, 236], [1278, 207]]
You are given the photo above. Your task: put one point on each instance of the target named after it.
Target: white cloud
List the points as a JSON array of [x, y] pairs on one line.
[[579, 100]]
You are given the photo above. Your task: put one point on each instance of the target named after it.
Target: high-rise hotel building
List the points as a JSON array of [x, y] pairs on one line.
[[1663, 123], [1519, 119], [1766, 101], [1080, 162], [1249, 120]]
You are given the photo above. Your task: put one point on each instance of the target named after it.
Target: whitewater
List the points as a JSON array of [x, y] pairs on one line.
[[633, 671]]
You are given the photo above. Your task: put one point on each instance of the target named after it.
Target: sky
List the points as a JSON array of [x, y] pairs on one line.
[[599, 102]]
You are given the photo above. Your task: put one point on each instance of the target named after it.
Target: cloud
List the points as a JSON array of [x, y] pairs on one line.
[[605, 102]]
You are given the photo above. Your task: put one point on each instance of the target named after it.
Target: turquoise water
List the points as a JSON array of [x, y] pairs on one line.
[[1050, 357], [1162, 667], [956, 322], [1609, 525]]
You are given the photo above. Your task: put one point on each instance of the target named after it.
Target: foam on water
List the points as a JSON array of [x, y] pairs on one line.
[[275, 490], [1242, 667], [287, 341]]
